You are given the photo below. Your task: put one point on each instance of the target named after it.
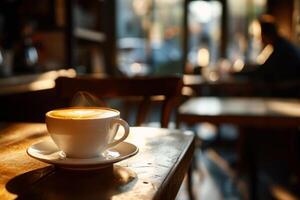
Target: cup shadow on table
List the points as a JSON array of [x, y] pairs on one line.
[[54, 183]]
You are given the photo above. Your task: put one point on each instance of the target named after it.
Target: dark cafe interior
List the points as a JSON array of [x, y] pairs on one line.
[[150, 99]]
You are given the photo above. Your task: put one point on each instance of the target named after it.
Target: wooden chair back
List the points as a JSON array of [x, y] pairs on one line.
[[145, 89]]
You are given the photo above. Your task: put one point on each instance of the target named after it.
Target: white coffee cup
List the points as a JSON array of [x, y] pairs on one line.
[[85, 132]]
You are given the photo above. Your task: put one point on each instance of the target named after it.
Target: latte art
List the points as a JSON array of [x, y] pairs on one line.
[[82, 113]]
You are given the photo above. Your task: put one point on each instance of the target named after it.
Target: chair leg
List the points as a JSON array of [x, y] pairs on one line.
[[190, 182]]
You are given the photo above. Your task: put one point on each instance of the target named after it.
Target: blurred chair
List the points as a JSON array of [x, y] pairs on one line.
[[141, 90]]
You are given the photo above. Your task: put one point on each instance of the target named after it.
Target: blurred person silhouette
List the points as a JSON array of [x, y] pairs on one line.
[[279, 59]]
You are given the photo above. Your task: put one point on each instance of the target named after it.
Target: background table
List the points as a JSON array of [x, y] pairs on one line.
[[156, 172], [247, 113], [258, 112], [229, 86], [240, 86]]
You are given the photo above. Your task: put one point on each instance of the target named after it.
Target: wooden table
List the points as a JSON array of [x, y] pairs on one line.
[[244, 112], [32, 82], [196, 85], [28, 97], [229, 86], [255, 112], [156, 172]]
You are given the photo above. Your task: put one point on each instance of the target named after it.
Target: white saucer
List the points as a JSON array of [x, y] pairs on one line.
[[46, 151]]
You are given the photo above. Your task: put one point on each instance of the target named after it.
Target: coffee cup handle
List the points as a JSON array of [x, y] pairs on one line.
[[126, 133]]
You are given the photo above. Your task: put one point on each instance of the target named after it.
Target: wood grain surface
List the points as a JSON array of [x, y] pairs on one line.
[[156, 172]]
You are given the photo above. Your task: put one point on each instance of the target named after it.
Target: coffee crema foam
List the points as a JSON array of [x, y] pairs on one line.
[[82, 113]]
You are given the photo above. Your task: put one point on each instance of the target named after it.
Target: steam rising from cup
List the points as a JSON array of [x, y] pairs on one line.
[[86, 99]]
